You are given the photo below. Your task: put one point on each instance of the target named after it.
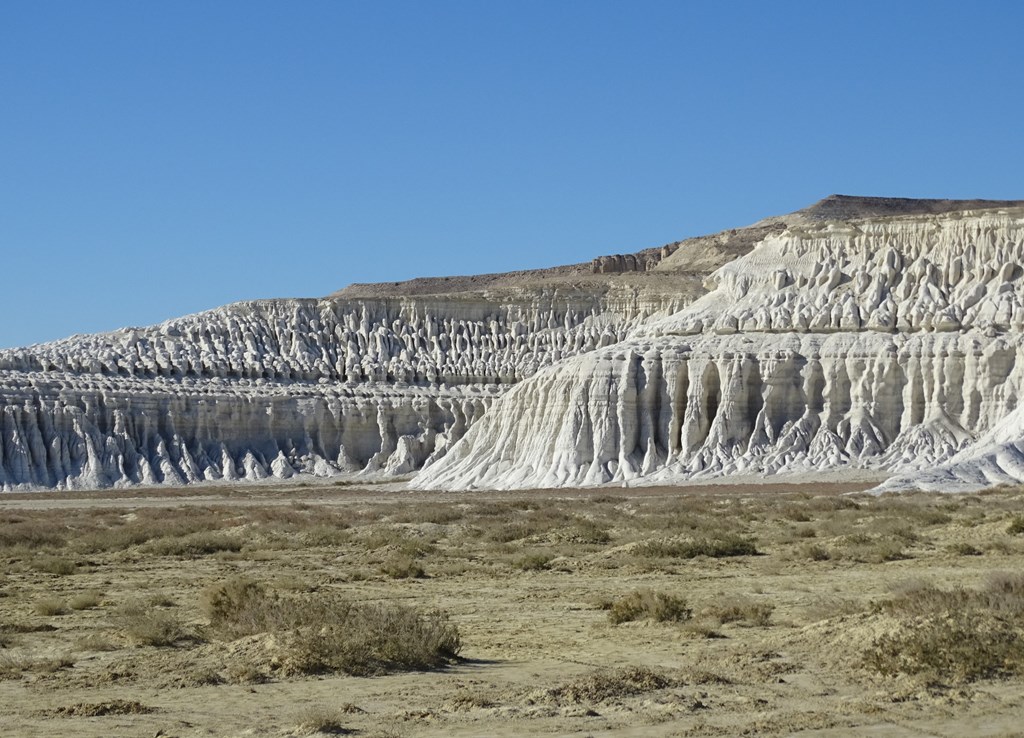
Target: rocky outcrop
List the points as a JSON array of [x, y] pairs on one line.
[[278, 388], [431, 340], [860, 333], [641, 262], [888, 344], [93, 431]]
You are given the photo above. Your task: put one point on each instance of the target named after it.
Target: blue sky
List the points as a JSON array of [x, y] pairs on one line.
[[157, 159]]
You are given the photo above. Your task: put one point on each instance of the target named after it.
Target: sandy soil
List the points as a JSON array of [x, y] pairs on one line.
[[777, 643]]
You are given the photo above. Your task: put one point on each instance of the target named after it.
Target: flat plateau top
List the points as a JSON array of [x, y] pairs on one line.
[[692, 256]]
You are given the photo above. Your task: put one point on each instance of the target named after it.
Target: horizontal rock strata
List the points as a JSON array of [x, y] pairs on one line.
[[283, 387], [890, 344], [860, 333]]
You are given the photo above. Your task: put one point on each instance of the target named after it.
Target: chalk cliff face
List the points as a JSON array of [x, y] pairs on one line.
[[857, 334], [283, 387], [890, 344]]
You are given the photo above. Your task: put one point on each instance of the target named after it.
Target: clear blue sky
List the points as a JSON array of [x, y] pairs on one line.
[[157, 159]]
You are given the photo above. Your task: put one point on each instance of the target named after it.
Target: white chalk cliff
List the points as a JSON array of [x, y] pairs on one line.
[[859, 334], [889, 343]]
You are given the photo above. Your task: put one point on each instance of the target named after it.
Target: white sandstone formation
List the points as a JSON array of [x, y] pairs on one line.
[[887, 343], [858, 334], [278, 388]]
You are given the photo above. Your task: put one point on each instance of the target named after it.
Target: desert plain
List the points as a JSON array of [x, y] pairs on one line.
[[809, 609]]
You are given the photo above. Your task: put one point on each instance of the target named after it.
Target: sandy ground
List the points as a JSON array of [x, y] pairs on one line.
[[775, 645]]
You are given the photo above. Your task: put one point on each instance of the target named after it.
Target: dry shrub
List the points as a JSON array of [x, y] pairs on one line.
[[54, 565], [587, 532], [1003, 594], [965, 549], [953, 636], [99, 709], [650, 605], [440, 513], [375, 639], [51, 606], [94, 642], [866, 549], [398, 542], [703, 628], [326, 633], [815, 552], [955, 647], [153, 525], [31, 533], [145, 625], [741, 610], [86, 600], [607, 684], [319, 719], [13, 666], [721, 547], [326, 535], [202, 543], [1016, 526], [535, 561], [514, 531], [239, 607], [403, 567]]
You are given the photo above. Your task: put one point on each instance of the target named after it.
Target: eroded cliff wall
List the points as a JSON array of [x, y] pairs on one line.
[[883, 335], [283, 387], [891, 344]]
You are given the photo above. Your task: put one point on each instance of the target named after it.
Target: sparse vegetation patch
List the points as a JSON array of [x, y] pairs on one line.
[[648, 604], [325, 632]]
